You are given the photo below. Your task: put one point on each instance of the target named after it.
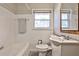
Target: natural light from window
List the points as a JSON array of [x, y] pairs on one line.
[[42, 20]]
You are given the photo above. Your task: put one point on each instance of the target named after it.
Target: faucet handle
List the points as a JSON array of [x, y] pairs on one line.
[[67, 37], [63, 36]]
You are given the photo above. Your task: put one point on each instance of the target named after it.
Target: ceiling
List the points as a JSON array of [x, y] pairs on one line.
[[21, 8]]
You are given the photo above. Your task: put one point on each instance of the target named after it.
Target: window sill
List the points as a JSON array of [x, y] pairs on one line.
[[41, 29]]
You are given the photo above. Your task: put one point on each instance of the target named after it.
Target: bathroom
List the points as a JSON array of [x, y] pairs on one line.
[[19, 31]]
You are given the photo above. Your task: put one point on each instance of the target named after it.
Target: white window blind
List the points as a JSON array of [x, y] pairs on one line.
[[42, 19]]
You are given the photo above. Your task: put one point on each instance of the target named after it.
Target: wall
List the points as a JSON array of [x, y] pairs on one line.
[[33, 35], [7, 27], [57, 18]]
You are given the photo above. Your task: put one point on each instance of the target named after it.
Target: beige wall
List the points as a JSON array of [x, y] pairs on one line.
[[10, 34], [12, 46], [7, 27], [33, 35]]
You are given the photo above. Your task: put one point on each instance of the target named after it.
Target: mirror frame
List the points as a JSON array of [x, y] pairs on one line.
[[70, 31]]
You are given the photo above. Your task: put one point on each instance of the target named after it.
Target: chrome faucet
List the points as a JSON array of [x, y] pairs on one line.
[[66, 37]]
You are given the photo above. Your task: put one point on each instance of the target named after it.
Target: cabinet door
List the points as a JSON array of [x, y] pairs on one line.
[[70, 50], [56, 50]]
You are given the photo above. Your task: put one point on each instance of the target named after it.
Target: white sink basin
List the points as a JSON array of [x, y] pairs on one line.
[[62, 40], [42, 46], [71, 41]]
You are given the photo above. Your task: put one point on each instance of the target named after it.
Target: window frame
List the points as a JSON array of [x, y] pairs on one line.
[[41, 11]]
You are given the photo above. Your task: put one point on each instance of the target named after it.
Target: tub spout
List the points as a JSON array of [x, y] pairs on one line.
[[1, 47]]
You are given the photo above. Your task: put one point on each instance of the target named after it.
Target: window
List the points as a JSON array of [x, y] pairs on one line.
[[42, 19], [65, 18]]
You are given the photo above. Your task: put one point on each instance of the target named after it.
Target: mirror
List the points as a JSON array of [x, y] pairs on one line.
[[69, 18]]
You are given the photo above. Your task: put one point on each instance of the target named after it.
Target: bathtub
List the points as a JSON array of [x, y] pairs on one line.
[[16, 49]]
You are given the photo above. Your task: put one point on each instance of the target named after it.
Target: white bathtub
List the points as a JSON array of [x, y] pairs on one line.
[[16, 49]]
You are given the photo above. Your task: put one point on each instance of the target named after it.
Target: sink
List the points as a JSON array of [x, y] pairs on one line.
[[62, 40], [42, 46], [71, 41]]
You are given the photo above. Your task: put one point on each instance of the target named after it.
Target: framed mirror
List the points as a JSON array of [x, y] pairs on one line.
[[69, 20]]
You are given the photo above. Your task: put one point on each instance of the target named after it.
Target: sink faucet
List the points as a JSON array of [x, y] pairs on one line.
[[63, 35], [66, 37]]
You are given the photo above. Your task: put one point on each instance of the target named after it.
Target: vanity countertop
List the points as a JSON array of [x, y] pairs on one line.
[[61, 40]]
